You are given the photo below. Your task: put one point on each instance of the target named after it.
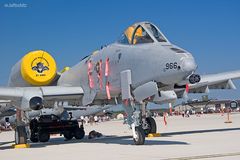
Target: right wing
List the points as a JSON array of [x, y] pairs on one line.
[[21, 96], [212, 81]]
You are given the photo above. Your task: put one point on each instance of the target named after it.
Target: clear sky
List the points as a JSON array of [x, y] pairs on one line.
[[71, 29]]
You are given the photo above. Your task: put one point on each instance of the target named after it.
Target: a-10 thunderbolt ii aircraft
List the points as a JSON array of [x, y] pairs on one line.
[[141, 67]]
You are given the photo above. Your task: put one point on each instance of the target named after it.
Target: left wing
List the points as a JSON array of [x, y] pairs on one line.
[[211, 81]]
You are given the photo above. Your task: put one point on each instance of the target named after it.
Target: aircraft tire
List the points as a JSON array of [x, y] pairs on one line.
[[68, 135], [43, 137], [20, 135], [140, 139], [79, 133], [152, 126], [33, 138]]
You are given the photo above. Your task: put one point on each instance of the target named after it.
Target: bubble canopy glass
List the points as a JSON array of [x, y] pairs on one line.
[[141, 33]]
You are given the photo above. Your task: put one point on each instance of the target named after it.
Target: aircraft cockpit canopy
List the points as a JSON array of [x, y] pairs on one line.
[[141, 33]]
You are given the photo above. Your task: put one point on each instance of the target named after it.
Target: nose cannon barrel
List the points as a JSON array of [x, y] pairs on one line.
[[194, 78]]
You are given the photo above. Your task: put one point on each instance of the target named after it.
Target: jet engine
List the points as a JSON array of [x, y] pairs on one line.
[[36, 68], [36, 103], [32, 99]]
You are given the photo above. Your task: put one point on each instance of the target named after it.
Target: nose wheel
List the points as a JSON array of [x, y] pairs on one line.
[[151, 126], [139, 137]]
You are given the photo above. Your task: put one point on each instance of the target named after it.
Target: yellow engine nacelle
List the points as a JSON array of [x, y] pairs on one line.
[[36, 68]]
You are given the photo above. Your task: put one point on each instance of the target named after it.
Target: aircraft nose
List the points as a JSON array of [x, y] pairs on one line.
[[188, 65]]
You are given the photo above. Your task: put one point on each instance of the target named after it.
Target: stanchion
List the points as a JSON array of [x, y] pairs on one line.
[[170, 109], [228, 116], [164, 119]]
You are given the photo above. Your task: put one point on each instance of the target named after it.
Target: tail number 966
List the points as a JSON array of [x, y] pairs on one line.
[[173, 65]]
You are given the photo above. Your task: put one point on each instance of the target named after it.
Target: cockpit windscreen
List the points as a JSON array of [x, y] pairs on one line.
[[135, 34], [155, 32], [141, 33]]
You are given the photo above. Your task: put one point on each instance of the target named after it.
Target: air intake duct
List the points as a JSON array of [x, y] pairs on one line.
[[36, 103]]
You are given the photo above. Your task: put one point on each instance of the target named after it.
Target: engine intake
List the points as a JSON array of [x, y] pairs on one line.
[[36, 68], [36, 103]]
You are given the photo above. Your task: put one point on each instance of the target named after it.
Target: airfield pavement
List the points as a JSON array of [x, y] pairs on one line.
[[204, 137]]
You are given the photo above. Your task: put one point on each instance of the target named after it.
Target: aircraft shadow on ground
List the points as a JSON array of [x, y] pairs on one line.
[[122, 140], [199, 131]]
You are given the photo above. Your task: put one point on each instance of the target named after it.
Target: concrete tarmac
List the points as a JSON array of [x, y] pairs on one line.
[[204, 137]]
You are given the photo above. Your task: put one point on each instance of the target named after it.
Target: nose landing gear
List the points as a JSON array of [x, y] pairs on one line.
[[140, 124], [150, 126]]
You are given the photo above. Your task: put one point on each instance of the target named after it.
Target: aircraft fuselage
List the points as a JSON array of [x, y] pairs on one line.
[[147, 62]]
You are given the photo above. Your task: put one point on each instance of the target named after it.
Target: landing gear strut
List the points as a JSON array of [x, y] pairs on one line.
[[20, 131]]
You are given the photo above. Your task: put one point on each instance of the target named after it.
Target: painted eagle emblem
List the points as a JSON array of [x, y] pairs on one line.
[[40, 67]]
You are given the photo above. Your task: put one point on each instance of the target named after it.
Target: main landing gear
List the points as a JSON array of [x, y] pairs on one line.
[[20, 135], [20, 131]]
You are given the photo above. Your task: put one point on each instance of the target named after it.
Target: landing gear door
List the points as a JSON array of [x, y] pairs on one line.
[[88, 97], [126, 81]]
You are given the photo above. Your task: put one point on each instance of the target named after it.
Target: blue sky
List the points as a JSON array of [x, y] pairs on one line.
[[70, 30]]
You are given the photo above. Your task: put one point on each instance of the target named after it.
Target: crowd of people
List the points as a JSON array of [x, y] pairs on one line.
[[94, 119]]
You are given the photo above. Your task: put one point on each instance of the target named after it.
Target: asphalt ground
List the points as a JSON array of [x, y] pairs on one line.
[[204, 137]]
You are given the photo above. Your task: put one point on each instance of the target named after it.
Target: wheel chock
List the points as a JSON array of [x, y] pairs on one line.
[[151, 135], [21, 145]]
